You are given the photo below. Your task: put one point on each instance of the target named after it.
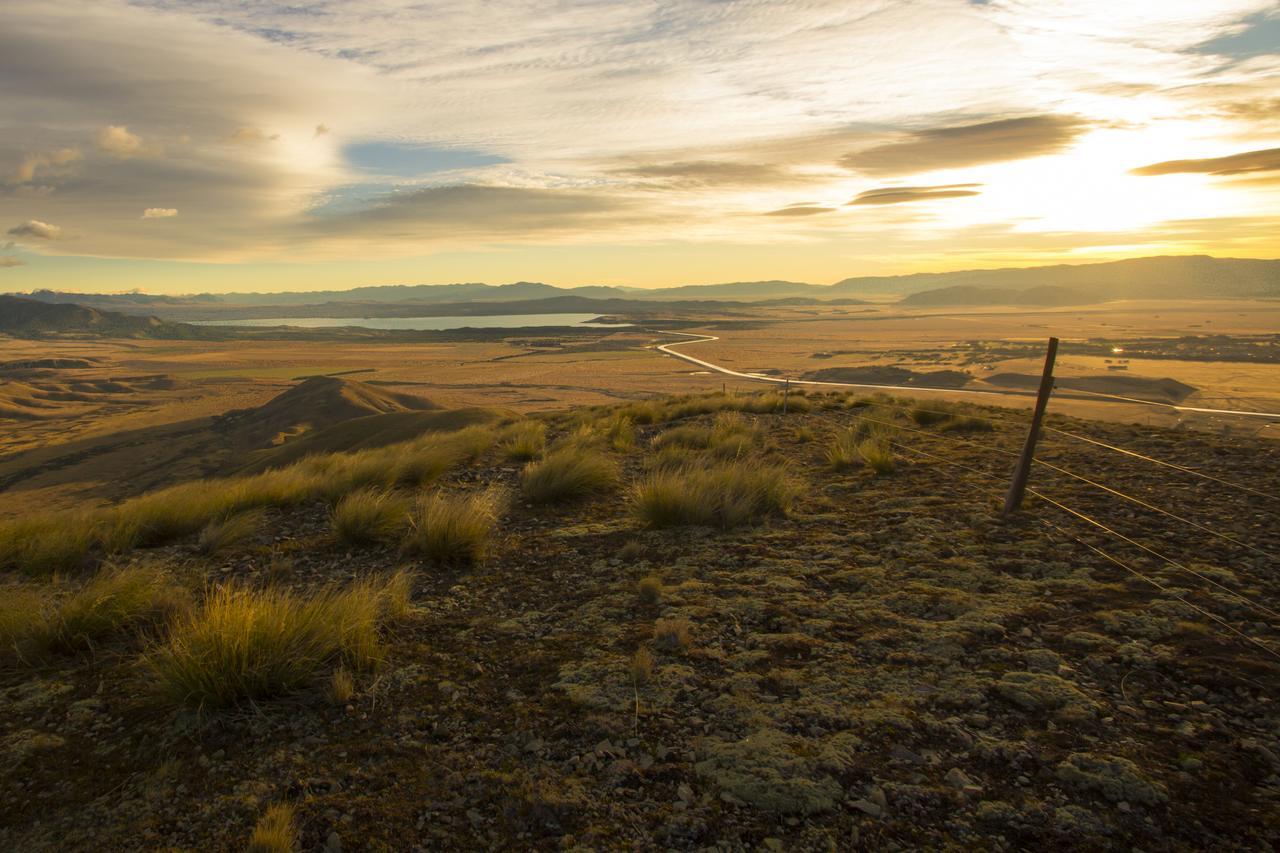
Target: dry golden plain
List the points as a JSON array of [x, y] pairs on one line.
[[111, 445]]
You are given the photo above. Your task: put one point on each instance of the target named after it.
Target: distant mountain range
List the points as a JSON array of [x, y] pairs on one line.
[[1178, 277], [21, 316]]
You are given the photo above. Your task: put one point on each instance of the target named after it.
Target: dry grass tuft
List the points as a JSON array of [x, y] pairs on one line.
[[369, 516], [245, 644], [727, 496], [568, 474], [673, 635], [523, 441], [114, 602], [342, 686], [224, 534], [452, 529], [649, 591], [641, 667], [877, 453], [276, 831]]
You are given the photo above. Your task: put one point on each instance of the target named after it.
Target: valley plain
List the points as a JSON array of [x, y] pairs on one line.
[[114, 416]]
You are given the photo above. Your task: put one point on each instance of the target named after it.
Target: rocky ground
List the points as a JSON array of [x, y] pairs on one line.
[[891, 667]]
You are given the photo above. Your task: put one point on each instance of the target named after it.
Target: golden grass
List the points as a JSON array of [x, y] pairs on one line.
[[673, 635], [877, 454], [726, 496], [641, 666], [568, 474], [523, 441], [649, 591], [227, 533], [245, 644], [369, 516], [276, 831], [452, 529], [342, 686], [114, 603], [620, 433]]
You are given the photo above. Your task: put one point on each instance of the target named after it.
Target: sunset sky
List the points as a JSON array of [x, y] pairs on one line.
[[209, 145]]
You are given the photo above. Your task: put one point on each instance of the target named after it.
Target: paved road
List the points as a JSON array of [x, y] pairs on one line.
[[759, 377]]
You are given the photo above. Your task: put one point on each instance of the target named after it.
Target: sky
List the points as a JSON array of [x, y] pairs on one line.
[[181, 146]]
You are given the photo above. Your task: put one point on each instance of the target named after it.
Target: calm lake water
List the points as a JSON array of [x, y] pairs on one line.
[[476, 321]]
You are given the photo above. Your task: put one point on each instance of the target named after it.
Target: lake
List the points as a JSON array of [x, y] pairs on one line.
[[475, 321]]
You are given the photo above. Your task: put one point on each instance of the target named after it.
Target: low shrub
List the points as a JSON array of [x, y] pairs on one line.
[[673, 635], [568, 474], [451, 529]]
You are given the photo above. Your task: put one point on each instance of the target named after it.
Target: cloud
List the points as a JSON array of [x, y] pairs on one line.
[[969, 145], [159, 212], [475, 212], [36, 228], [119, 141], [253, 136], [321, 130], [54, 163], [705, 173], [1266, 160], [799, 210], [7, 261], [899, 195]]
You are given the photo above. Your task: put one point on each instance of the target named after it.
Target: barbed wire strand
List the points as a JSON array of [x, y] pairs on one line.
[[1135, 543], [1213, 616], [1162, 462], [1146, 505]]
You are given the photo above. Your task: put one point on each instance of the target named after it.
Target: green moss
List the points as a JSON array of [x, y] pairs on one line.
[[1116, 779], [770, 771]]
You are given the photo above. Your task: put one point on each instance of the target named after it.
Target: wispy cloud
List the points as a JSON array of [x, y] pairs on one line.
[[36, 228], [899, 195], [8, 261], [159, 212], [1266, 160], [958, 146]]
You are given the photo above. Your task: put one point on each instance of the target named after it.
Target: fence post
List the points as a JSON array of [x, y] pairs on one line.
[[1018, 486], [786, 392]]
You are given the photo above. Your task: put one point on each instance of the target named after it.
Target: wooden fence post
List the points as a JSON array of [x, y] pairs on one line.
[[1018, 486]]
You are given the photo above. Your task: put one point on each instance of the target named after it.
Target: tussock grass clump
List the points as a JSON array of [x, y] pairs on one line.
[[930, 415], [45, 543], [568, 474], [966, 423], [452, 529], [673, 635], [244, 644], [523, 441], [23, 616], [641, 667], [342, 686], [726, 496], [276, 831], [620, 433], [877, 453], [369, 516], [842, 452], [223, 534], [114, 603], [649, 591]]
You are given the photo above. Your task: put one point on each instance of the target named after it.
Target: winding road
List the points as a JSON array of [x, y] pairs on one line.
[[759, 377]]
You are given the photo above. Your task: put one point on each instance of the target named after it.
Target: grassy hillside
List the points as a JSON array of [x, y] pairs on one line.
[[681, 623]]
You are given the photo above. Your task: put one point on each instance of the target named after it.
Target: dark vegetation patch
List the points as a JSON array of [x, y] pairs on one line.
[[886, 664]]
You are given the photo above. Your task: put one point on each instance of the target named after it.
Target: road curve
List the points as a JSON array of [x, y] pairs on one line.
[[758, 377]]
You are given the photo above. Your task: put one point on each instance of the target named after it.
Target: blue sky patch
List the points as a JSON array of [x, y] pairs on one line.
[[1260, 37], [405, 160]]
